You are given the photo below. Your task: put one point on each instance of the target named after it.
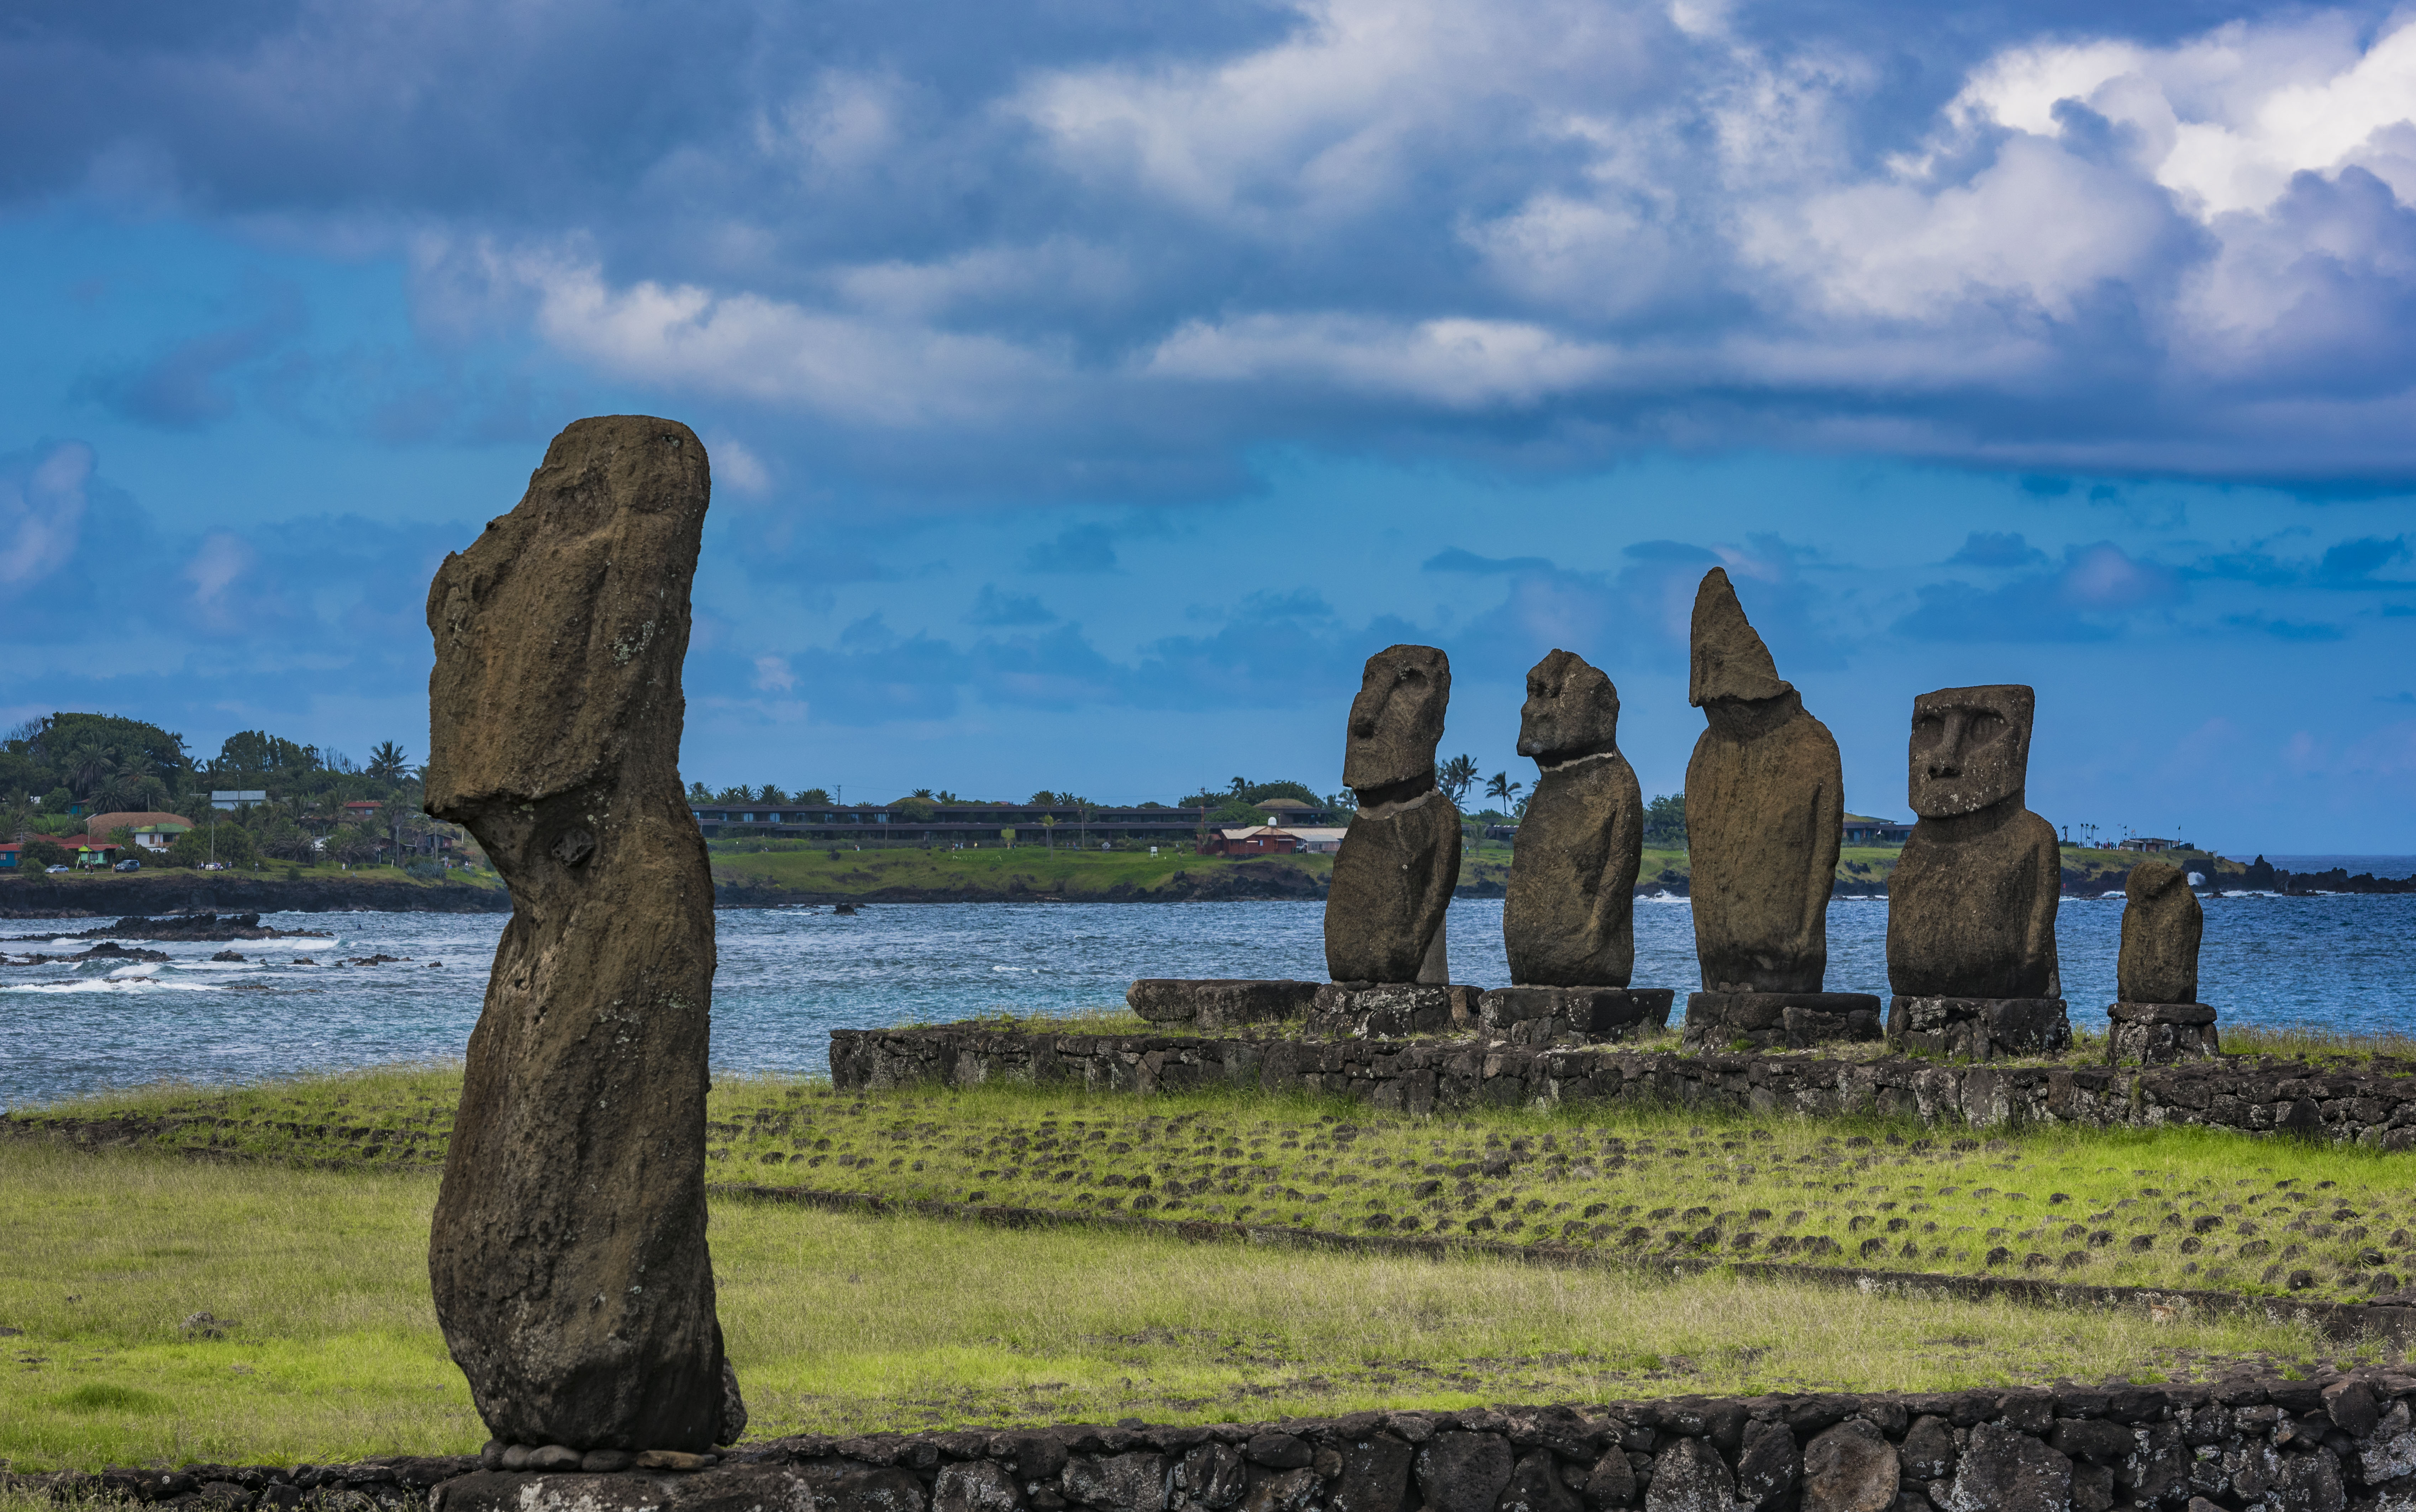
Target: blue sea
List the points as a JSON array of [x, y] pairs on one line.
[[788, 976]]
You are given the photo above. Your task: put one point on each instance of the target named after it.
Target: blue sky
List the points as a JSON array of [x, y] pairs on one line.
[[1090, 389]]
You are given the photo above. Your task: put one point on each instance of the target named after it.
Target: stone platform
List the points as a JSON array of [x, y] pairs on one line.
[[1572, 1015], [1778, 1021], [2160, 1034], [1391, 1010], [1218, 1003], [1980, 1028]]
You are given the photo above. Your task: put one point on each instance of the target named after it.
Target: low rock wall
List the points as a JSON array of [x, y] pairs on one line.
[[2343, 1443], [2374, 1106]]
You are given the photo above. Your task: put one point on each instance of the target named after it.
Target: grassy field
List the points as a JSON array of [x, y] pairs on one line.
[[2181, 1207], [321, 1345], [990, 871]]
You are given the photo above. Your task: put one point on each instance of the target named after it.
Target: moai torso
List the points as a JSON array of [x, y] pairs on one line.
[[1972, 903], [1764, 810], [2161, 927], [1400, 859], [1569, 917]]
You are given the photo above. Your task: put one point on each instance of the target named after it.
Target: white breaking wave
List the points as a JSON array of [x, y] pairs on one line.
[[114, 985]]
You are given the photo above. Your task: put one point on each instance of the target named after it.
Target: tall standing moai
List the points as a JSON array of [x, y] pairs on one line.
[[1765, 820], [2159, 1018], [1399, 859], [1568, 923], [568, 1252], [1970, 938]]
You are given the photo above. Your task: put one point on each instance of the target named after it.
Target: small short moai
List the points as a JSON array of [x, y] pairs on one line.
[[1765, 812], [1569, 921], [2159, 1019], [1400, 859], [567, 1249], [1970, 938]]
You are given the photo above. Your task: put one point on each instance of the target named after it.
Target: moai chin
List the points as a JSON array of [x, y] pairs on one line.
[[1569, 917], [1400, 859], [1765, 811], [567, 1250], [1972, 903]]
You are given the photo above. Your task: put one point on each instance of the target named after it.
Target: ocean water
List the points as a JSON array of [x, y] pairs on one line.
[[788, 976]]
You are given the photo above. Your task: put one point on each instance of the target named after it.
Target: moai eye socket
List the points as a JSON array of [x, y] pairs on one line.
[[1927, 730]]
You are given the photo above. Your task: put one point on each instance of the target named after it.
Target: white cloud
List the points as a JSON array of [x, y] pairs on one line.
[[1458, 363], [41, 514], [735, 466]]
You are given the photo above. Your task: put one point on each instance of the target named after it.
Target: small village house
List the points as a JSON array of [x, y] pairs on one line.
[[153, 832], [1259, 840]]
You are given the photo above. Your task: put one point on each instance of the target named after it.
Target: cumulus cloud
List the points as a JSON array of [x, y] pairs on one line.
[[41, 510], [2092, 595]]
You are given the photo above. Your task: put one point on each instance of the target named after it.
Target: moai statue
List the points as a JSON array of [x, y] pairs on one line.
[[1765, 812], [1399, 861], [1970, 940], [567, 1250], [1569, 919], [2159, 1018]]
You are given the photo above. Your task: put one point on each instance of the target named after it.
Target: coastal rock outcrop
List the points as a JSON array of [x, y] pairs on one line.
[[567, 1253], [1569, 917], [1971, 938], [1400, 859], [2159, 1018], [1765, 805]]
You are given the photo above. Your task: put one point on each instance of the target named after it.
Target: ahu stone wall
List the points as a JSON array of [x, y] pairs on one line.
[[2334, 1444], [2374, 1106]]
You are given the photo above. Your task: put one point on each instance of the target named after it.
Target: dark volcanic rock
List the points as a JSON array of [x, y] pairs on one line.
[[1399, 861], [1569, 917], [2161, 925], [568, 1253], [1764, 805], [205, 926], [1850, 1468], [1972, 903]]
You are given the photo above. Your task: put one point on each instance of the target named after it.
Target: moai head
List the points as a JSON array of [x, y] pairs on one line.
[[1572, 711], [1971, 748], [1729, 661], [1396, 719]]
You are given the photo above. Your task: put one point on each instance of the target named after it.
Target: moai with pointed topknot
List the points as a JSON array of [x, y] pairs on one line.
[[2159, 1018], [1568, 923], [1765, 812], [1971, 939], [1399, 859]]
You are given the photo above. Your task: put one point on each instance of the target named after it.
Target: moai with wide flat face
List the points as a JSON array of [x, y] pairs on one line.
[[567, 1250], [1400, 859], [1765, 810], [1972, 903], [2159, 1018], [1569, 917]]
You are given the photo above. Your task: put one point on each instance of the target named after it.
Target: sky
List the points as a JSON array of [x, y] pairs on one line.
[[1091, 388]]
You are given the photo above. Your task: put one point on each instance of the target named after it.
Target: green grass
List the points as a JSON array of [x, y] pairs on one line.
[[2064, 1203], [328, 1348]]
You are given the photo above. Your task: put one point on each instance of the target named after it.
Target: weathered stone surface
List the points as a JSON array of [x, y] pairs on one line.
[[1134, 1482], [1376, 1011], [1213, 1003], [1971, 902], [1214, 1475], [1568, 918], [1764, 804], [2161, 925], [1464, 1472], [2004, 1470], [1375, 1476], [1849, 1468], [1535, 1485], [1399, 859], [2160, 1034], [1980, 1028], [1572, 1015], [568, 1253], [1690, 1477], [1784, 1021], [1767, 1466]]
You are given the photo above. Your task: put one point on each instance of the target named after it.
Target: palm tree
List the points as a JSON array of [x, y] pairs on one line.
[[387, 762], [1503, 788], [1456, 776]]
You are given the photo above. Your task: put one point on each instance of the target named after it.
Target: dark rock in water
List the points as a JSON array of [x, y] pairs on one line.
[[211, 927], [1972, 903], [567, 1253], [1569, 917], [2161, 925], [1765, 808], [1400, 859], [105, 950]]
